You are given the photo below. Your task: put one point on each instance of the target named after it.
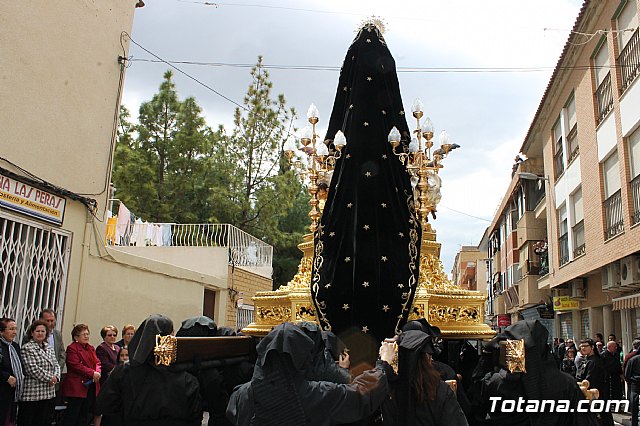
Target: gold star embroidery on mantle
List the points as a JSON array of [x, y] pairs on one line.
[[384, 156], [347, 259], [345, 306], [401, 112], [400, 285], [399, 233], [385, 308], [368, 174], [344, 88], [351, 106], [365, 329], [368, 40], [384, 205], [365, 284], [366, 227], [349, 205], [348, 156], [369, 79], [332, 234], [384, 112], [365, 124], [384, 258], [327, 285]]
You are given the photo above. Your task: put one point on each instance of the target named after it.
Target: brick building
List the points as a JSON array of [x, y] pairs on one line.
[[579, 190]]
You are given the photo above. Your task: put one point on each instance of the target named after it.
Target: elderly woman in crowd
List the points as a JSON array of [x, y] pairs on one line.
[[142, 393], [107, 353], [11, 374], [82, 383], [127, 334], [42, 373]]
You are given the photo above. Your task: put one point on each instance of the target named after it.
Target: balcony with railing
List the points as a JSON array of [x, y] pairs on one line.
[[563, 245], [572, 144], [578, 239], [558, 164], [604, 98], [203, 247], [629, 61], [614, 223], [635, 193]]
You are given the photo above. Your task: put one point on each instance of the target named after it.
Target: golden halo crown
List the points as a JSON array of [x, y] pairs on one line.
[[377, 21]]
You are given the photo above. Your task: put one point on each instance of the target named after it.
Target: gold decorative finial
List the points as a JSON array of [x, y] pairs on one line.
[[374, 20]]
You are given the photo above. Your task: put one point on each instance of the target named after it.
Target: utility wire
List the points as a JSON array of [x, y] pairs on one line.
[[399, 69], [466, 214], [159, 59]]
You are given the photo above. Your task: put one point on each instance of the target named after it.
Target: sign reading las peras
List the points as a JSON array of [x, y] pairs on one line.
[[26, 199]]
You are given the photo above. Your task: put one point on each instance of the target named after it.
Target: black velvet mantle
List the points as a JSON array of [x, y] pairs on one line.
[[366, 252]]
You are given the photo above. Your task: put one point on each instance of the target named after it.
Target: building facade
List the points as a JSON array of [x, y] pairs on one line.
[[568, 222], [62, 77]]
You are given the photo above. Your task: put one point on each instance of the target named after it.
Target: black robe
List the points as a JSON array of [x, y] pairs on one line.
[[365, 268], [280, 394], [542, 381], [141, 394]]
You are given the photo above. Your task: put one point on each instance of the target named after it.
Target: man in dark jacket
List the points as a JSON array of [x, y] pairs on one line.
[[632, 376], [592, 369], [613, 369]]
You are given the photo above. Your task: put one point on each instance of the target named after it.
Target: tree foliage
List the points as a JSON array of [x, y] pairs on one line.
[[172, 167]]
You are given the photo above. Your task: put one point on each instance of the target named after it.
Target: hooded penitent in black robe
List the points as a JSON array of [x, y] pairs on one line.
[[280, 395], [140, 393], [366, 258], [542, 381], [403, 408]]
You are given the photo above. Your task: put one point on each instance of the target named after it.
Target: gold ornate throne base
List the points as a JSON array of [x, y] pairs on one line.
[[458, 313]]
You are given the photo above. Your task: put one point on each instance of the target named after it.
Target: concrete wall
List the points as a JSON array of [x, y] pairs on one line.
[[206, 260]]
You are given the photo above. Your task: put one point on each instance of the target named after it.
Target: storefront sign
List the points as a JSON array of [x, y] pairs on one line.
[[26, 199], [504, 320], [565, 303]]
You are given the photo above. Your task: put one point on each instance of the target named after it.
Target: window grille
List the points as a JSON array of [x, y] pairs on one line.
[[34, 262]]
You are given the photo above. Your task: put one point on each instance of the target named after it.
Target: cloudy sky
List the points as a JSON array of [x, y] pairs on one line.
[[483, 69]]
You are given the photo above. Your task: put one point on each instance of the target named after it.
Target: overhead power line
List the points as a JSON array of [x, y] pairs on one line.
[[399, 69]]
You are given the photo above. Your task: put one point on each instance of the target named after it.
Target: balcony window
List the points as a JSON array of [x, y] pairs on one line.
[[604, 99], [634, 151], [629, 61], [612, 205], [563, 245], [614, 224], [578, 239], [558, 159], [572, 144], [563, 240], [577, 231]]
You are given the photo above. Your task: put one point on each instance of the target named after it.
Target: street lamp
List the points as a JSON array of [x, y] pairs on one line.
[[320, 162], [422, 164]]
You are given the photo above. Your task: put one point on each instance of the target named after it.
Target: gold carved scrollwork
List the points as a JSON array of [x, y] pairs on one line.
[[166, 350], [433, 277], [305, 313], [302, 278], [417, 311], [440, 313], [276, 314], [515, 356]]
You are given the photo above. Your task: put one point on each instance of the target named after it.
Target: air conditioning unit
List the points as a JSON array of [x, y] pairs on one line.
[[630, 271], [611, 277], [578, 289]]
